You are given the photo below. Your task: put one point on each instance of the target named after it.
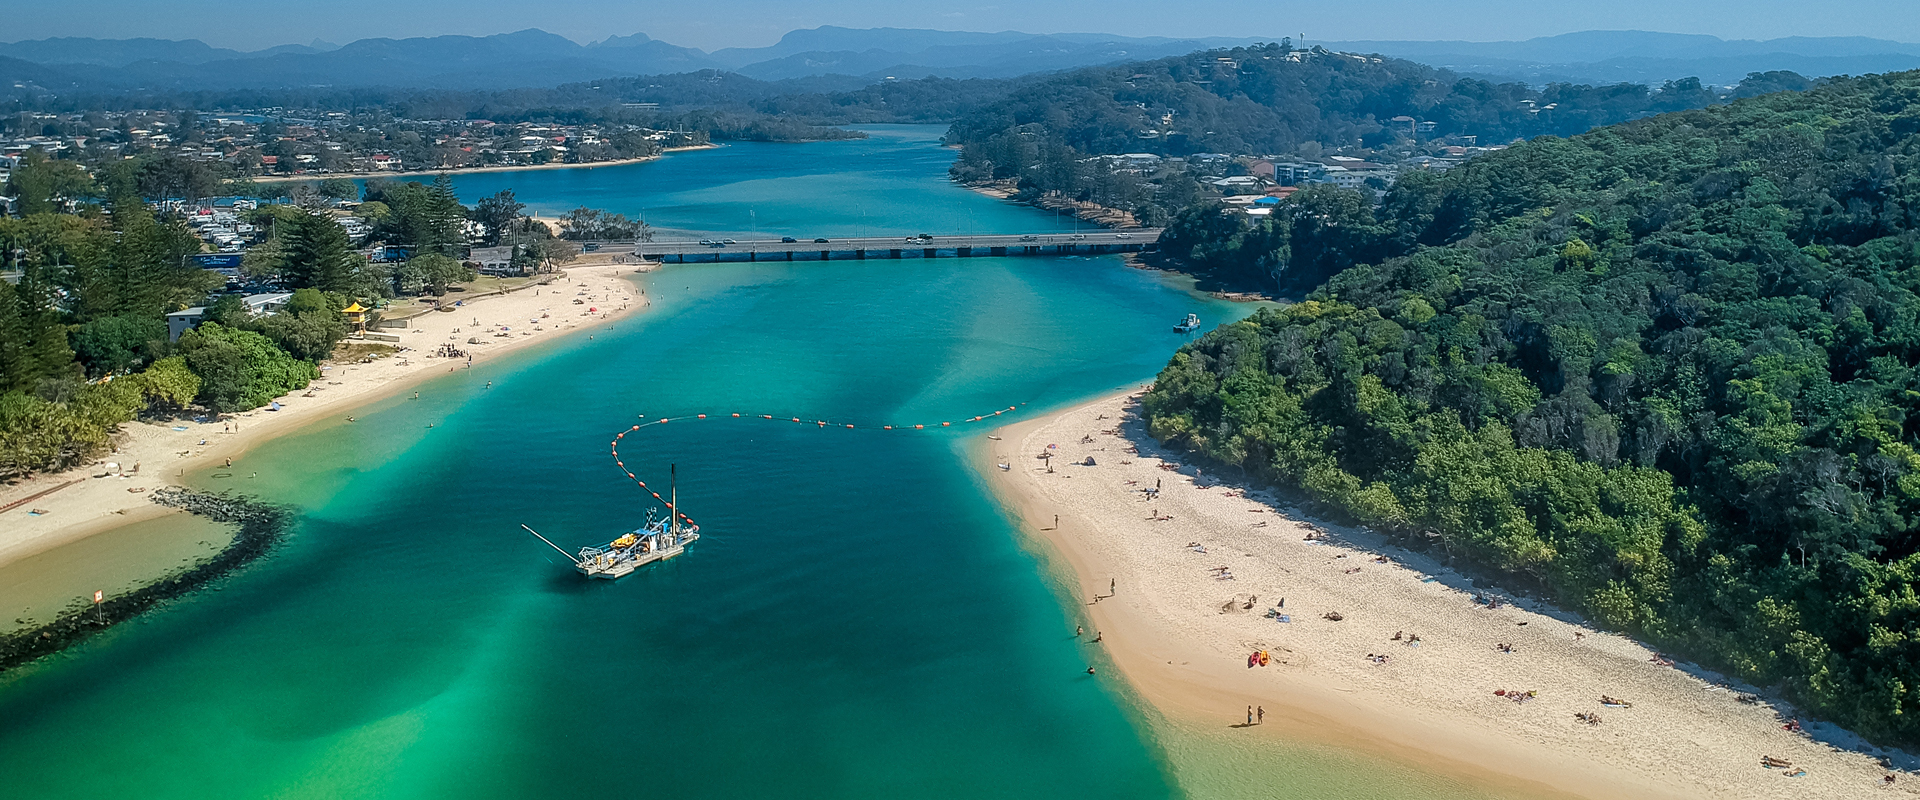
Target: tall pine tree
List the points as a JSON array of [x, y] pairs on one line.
[[317, 254]]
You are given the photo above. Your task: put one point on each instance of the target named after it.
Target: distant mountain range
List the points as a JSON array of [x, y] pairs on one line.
[[534, 58], [1647, 57]]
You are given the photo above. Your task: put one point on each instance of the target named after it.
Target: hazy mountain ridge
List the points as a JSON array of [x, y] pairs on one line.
[[1650, 57], [537, 59]]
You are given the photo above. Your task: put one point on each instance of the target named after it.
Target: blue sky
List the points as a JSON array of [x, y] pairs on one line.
[[712, 24]]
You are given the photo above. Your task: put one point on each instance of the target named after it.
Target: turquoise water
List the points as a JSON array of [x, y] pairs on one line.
[[893, 183], [858, 620]]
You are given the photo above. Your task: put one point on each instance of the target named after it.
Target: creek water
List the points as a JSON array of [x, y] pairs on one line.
[[858, 620]]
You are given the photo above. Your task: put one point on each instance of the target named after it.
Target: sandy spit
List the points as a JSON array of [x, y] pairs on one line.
[[1181, 634], [428, 173], [150, 455]]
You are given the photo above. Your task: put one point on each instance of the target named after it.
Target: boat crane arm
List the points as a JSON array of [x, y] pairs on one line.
[[536, 534]]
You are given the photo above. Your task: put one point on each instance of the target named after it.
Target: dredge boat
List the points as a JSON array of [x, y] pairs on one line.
[[657, 540], [1188, 325]]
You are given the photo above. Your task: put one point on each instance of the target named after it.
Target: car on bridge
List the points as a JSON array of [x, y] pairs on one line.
[[788, 240], [1029, 238], [728, 241], [820, 241]]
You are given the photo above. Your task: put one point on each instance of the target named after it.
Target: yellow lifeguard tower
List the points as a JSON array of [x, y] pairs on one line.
[[357, 317]]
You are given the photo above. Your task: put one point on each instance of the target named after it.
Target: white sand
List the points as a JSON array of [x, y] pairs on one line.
[[163, 454], [1181, 637]]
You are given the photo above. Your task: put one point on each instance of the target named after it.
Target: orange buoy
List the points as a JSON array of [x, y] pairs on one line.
[[634, 428], [888, 427], [736, 416], [796, 419], [918, 427], [946, 424], [703, 416], [663, 419], [849, 426]]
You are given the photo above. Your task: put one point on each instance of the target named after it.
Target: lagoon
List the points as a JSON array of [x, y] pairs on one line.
[[860, 619]]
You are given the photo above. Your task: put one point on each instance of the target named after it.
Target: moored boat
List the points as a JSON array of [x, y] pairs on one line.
[[657, 540]]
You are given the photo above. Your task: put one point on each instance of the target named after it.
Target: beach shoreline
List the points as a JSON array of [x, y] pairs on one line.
[[1181, 636], [426, 173], [113, 490]]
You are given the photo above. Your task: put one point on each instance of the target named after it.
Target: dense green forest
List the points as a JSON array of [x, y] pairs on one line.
[[1664, 372]]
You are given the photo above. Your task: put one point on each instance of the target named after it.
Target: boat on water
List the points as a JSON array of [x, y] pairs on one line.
[[657, 540], [1188, 325]]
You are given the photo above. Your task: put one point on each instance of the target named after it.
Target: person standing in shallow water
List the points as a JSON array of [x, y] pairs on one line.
[[1249, 715]]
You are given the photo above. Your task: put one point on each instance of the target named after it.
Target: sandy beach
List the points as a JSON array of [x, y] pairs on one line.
[[1204, 574], [428, 173], [113, 491]]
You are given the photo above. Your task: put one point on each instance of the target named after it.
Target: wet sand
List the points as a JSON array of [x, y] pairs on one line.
[[124, 555]]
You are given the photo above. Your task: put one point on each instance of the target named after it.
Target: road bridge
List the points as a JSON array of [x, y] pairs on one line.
[[965, 246]]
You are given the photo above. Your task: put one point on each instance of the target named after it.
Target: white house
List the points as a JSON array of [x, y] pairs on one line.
[[181, 321]]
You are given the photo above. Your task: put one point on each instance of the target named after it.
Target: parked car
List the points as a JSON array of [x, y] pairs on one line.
[[788, 240]]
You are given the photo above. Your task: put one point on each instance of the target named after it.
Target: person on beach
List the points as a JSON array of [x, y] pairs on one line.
[[1260, 715], [1249, 715], [1099, 636], [1111, 583]]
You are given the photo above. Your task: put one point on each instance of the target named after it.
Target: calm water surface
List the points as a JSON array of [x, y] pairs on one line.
[[858, 620]]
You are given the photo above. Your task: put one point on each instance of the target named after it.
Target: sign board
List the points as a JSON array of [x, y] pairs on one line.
[[215, 260]]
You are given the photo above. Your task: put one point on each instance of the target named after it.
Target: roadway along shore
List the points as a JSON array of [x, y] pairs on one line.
[[1181, 630], [165, 451]]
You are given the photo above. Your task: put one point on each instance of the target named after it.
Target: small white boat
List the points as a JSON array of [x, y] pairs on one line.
[[1188, 325]]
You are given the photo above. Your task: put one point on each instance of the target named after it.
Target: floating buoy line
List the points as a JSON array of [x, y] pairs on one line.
[[818, 423]]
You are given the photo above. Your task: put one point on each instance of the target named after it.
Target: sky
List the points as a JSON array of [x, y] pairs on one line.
[[713, 24]]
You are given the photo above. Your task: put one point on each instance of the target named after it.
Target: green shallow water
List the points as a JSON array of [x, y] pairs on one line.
[[859, 620]]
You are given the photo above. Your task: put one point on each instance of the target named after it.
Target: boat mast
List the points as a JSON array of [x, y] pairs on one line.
[[673, 499]]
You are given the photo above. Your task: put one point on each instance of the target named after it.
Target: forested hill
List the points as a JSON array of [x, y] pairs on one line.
[[1665, 371], [1272, 98]]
